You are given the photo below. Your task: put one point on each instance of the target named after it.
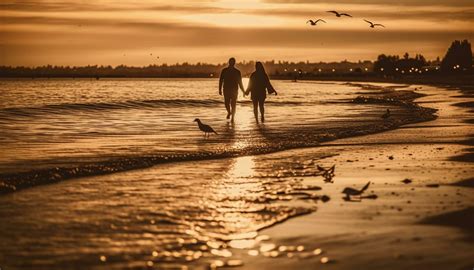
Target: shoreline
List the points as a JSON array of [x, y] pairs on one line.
[[304, 138], [421, 224], [444, 80]]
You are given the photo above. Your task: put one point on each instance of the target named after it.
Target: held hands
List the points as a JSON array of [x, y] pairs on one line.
[[220, 92]]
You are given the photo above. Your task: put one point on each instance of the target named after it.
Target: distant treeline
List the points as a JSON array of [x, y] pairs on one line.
[[458, 59], [280, 68]]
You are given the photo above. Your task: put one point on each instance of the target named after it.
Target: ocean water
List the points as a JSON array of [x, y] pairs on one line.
[[66, 123], [170, 198]]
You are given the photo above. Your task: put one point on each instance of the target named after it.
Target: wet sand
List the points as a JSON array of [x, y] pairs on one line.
[[423, 224]]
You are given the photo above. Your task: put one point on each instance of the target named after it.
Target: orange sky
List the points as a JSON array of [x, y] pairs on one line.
[[67, 32]]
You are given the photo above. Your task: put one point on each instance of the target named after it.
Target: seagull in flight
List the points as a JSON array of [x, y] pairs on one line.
[[315, 22], [204, 128], [339, 14], [373, 25]]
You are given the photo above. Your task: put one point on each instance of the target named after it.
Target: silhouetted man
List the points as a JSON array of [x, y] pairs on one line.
[[230, 81]]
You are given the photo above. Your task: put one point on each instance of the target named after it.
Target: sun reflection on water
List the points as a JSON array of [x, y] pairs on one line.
[[243, 128], [243, 167], [235, 193]]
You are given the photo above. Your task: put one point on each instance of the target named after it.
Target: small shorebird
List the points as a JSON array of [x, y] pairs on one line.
[[328, 174], [354, 192], [339, 14], [314, 23], [373, 25], [204, 128], [386, 114]]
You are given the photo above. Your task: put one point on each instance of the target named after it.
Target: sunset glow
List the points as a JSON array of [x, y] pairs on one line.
[[102, 32]]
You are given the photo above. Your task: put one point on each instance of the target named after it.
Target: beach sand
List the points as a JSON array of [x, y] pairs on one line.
[[425, 224]]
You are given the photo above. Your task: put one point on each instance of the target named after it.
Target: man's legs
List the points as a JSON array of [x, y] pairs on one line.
[[227, 100], [234, 104]]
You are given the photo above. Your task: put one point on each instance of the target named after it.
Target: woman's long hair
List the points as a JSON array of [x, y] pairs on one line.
[[260, 70]]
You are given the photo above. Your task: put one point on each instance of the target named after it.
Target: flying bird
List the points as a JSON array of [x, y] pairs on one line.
[[386, 114], [315, 22], [354, 192], [204, 128], [373, 25], [339, 14]]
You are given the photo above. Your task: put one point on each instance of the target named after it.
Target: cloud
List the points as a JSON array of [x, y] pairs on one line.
[[70, 32], [73, 6], [125, 34], [463, 3], [466, 14]]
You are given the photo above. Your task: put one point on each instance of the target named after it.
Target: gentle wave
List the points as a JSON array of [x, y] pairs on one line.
[[143, 104]]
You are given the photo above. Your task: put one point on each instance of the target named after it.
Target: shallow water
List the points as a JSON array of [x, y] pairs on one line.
[[57, 123], [183, 214], [189, 214]]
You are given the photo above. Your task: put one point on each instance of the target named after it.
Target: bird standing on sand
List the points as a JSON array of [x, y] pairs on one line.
[[386, 114], [328, 174], [354, 192], [204, 128], [314, 23], [339, 14], [373, 25]]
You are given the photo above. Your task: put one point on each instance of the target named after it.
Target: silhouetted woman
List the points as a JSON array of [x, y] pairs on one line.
[[259, 83]]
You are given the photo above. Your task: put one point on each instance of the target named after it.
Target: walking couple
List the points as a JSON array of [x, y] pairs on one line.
[[230, 81]]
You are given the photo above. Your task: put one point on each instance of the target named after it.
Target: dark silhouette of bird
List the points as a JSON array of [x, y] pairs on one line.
[[328, 174], [339, 14], [315, 22], [407, 181], [204, 128], [373, 25], [355, 192], [386, 114]]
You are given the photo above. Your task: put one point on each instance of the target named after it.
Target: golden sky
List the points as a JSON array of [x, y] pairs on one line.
[[130, 32]]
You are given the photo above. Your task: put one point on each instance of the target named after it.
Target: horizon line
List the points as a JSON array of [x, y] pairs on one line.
[[243, 62]]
